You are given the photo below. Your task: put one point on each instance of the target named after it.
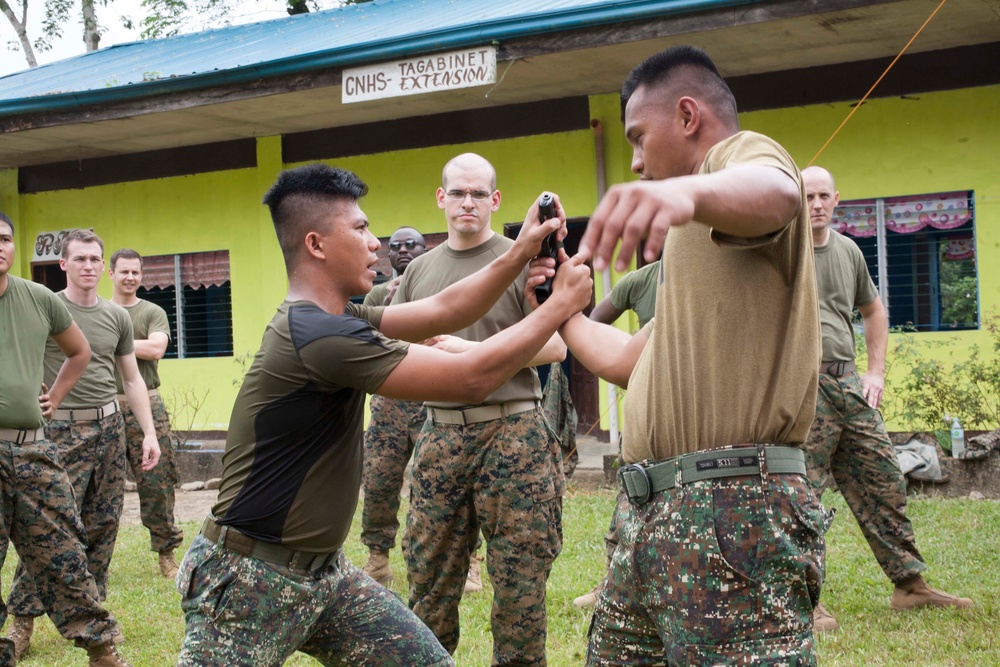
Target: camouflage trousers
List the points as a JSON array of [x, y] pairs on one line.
[[93, 455], [848, 441], [389, 440], [719, 571], [504, 477], [244, 612], [38, 514], [156, 486]]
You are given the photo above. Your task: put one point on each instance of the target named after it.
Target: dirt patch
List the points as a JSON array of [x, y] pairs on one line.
[[188, 505]]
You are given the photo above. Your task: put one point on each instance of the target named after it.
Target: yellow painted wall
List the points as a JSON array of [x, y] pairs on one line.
[[918, 144], [222, 210]]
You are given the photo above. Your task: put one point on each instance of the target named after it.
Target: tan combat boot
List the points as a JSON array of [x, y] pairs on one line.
[[823, 621], [168, 564], [106, 655], [914, 593], [378, 567], [20, 634], [589, 599], [474, 582]]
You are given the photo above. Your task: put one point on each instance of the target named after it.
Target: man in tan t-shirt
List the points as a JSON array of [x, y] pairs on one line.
[[848, 440], [151, 334], [494, 465], [721, 549]]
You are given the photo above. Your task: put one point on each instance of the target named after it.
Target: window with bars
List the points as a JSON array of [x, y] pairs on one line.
[[921, 253], [194, 289]]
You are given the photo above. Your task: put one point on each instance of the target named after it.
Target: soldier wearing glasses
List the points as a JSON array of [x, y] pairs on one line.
[[493, 466], [391, 433]]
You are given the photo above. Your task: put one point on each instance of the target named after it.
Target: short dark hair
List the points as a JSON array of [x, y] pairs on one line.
[[660, 67], [4, 218], [83, 236], [125, 253], [297, 191]]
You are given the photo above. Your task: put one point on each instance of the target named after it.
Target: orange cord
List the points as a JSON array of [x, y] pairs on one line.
[[858, 105]]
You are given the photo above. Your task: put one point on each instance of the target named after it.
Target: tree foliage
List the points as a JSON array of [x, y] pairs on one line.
[[169, 17], [57, 14], [161, 18]]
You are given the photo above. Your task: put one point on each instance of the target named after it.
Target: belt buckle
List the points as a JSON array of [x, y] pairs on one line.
[[641, 499]]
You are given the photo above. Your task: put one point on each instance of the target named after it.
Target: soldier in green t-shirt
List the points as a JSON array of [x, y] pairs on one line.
[[37, 504], [151, 335], [88, 428], [848, 440], [636, 291]]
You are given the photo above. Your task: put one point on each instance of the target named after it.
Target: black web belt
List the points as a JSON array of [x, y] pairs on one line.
[[640, 481]]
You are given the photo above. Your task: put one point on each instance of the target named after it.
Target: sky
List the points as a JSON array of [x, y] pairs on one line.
[[110, 18]]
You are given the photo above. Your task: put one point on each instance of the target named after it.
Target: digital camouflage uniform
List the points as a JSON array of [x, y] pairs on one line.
[[156, 486], [40, 517], [244, 612], [93, 454], [502, 476], [848, 440], [37, 506], [389, 440], [756, 571]]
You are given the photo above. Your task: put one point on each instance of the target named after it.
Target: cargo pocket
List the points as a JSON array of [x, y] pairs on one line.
[[546, 525], [784, 651]]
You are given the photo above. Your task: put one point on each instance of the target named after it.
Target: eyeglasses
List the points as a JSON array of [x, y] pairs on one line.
[[477, 195], [409, 243]]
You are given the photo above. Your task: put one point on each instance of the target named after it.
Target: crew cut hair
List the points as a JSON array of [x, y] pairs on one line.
[[83, 236], [125, 253], [298, 192], [660, 68]]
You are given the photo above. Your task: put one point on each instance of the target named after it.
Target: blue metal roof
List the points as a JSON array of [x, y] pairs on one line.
[[346, 36]]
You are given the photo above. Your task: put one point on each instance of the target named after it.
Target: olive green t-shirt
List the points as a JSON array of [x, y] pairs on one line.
[[843, 282], [108, 329], [292, 465], [734, 348], [29, 314], [147, 318], [441, 266], [636, 291], [377, 295]]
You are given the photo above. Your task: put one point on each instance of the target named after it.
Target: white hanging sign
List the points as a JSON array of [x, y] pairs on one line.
[[426, 74]]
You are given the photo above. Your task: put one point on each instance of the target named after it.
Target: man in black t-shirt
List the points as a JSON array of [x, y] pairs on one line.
[[267, 575]]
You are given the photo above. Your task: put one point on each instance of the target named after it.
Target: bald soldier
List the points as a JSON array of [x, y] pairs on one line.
[[848, 441]]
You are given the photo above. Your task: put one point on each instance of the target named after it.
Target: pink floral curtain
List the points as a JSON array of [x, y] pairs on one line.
[[904, 215], [198, 269]]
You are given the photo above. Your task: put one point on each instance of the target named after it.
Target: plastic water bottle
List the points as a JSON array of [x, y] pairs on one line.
[[957, 439]]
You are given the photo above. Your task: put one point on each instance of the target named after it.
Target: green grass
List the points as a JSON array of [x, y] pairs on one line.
[[958, 538]]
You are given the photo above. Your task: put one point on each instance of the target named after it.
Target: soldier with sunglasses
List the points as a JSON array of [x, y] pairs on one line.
[[391, 433]]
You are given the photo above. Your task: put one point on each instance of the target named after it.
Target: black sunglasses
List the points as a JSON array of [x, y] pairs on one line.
[[409, 243]]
